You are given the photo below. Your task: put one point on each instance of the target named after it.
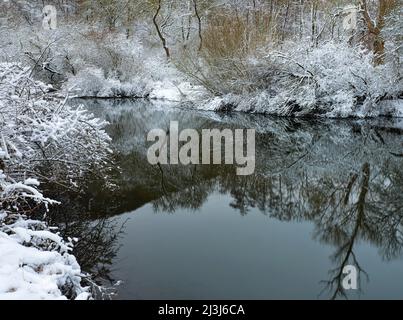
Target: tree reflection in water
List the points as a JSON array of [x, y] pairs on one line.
[[344, 177], [97, 237]]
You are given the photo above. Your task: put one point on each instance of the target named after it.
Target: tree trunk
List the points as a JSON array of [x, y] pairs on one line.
[[199, 22], [375, 42], [160, 35]]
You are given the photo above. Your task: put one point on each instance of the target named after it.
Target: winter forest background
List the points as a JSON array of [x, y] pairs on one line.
[[340, 58], [295, 58]]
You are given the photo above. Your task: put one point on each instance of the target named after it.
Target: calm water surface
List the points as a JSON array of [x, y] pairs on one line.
[[325, 194]]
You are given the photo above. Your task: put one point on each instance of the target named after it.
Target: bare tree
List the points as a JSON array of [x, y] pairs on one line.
[[199, 24], [157, 27]]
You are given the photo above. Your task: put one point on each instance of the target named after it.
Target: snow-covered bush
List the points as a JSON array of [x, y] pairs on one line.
[[91, 82], [93, 61], [114, 66], [40, 136], [334, 79], [40, 131], [35, 262]]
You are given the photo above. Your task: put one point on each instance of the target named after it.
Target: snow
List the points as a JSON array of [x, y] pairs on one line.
[[28, 271], [154, 80], [213, 105], [329, 79], [333, 80], [26, 191], [91, 82], [31, 182], [33, 122], [392, 108], [176, 91], [35, 262]]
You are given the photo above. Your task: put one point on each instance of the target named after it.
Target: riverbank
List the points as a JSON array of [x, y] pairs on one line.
[[36, 263], [329, 79], [41, 139]]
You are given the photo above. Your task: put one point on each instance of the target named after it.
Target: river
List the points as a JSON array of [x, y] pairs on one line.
[[325, 194]]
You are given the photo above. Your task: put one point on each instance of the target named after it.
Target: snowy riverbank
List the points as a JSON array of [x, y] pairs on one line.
[[41, 138], [36, 263], [307, 82]]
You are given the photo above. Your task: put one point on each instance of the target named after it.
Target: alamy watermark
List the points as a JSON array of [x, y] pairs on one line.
[[49, 21], [350, 280], [213, 142], [350, 18]]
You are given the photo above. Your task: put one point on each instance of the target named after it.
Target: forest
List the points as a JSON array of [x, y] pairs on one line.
[[282, 57]]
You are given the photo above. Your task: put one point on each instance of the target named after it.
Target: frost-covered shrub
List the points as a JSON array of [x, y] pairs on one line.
[[336, 79], [117, 56], [40, 136], [91, 82], [114, 66], [30, 272], [333, 79], [82, 56], [37, 130], [35, 262]]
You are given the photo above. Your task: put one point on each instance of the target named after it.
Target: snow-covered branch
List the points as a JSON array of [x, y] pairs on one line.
[[40, 136]]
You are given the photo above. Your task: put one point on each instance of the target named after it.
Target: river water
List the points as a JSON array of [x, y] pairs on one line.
[[325, 194]]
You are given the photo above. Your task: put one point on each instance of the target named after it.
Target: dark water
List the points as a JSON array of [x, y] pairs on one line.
[[325, 194]]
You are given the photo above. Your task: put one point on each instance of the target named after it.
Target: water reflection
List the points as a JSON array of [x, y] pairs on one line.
[[97, 237], [343, 177]]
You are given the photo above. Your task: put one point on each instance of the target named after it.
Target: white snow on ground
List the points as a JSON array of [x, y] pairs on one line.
[[212, 105], [167, 91], [27, 271], [35, 262], [176, 91]]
